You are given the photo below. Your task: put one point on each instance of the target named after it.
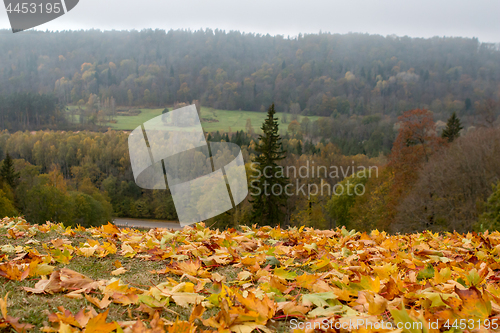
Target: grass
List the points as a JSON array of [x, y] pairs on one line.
[[398, 273], [212, 119], [35, 308], [236, 120]]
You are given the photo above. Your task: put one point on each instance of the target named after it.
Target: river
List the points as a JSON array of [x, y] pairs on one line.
[[145, 223]]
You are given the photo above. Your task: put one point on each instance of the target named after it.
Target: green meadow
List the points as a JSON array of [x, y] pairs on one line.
[[212, 119], [235, 120]]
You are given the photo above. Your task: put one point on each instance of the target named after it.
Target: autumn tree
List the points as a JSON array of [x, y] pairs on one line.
[[344, 198], [268, 193], [304, 125], [460, 180], [6, 205], [295, 110], [294, 127], [490, 219], [130, 97], [452, 129], [487, 112], [370, 211], [147, 97], [248, 127], [415, 143]]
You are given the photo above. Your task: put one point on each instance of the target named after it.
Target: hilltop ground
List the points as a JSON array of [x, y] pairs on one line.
[[105, 279]]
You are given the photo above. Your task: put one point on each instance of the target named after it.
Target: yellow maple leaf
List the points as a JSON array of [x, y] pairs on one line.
[[98, 324]]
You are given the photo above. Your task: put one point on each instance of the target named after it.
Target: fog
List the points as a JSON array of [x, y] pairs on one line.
[[423, 18]]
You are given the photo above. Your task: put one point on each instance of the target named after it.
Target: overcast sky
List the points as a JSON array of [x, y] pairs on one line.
[[415, 18]]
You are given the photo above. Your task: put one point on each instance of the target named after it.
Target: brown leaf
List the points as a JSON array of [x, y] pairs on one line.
[[101, 304], [98, 324], [473, 303]]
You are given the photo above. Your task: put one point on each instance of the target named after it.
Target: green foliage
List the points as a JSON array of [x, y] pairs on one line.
[[89, 211], [370, 211], [452, 129], [44, 202], [28, 110], [6, 205], [164, 206], [311, 214], [299, 148], [490, 218], [267, 208], [344, 198], [8, 179], [7, 172]]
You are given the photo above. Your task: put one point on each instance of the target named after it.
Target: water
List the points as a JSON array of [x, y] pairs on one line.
[[145, 223]]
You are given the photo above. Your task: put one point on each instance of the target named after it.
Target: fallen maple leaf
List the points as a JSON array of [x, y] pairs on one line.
[[101, 304], [98, 324], [373, 303], [118, 271], [473, 303], [61, 280]]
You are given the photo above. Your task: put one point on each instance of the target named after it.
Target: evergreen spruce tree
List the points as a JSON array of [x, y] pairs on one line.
[[453, 127], [299, 148], [268, 195], [7, 172]]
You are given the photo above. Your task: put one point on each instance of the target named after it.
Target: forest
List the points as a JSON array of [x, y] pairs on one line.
[[431, 179], [315, 74], [387, 103]]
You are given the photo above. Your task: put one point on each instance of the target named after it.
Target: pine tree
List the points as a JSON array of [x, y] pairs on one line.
[[268, 190], [453, 127], [7, 172], [299, 148], [468, 104]]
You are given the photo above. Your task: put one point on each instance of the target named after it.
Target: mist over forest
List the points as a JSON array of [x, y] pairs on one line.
[[352, 100], [326, 74]]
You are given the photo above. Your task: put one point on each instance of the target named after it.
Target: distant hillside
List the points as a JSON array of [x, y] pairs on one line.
[[317, 74]]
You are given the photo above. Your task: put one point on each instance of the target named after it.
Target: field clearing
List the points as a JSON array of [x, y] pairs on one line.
[[105, 279], [236, 119], [212, 119]]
